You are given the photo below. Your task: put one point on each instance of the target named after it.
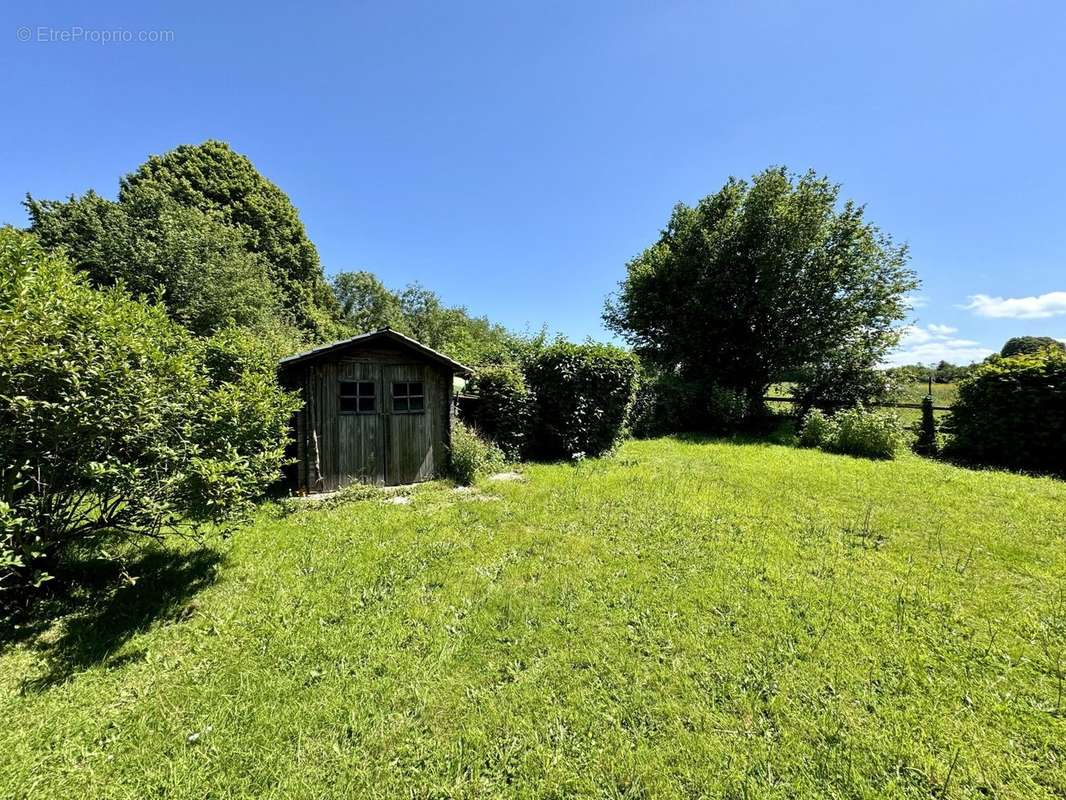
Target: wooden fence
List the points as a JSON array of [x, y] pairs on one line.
[[769, 398]]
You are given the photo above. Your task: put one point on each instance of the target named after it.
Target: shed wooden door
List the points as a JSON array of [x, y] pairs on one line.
[[410, 397], [360, 424]]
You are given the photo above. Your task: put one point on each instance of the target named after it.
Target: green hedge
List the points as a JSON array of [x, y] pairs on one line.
[[583, 394], [505, 407], [1011, 412]]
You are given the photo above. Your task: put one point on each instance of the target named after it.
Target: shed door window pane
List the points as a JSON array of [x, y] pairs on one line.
[[408, 396], [357, 397]]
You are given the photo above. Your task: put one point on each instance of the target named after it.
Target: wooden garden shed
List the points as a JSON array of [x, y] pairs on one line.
[[377, 409]]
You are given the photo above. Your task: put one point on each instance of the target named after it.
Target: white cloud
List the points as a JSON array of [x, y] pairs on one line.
[[934, 343], [915, 300], [942, 330], [1040, 307]]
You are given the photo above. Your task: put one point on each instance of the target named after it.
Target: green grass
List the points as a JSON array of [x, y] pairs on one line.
[[686, 619]]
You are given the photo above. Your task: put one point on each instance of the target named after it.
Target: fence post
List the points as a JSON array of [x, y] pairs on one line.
[[926, 443]]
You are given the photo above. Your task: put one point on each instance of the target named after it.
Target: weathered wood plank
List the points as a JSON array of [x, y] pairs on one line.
[[335, 448]]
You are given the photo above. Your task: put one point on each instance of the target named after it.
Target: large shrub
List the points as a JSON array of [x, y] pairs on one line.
[[817, 429], [664, 403], [471, 454], [111, 423], [583, 395], [854, 431], [874, 434], [505, 406], [1011, 412]]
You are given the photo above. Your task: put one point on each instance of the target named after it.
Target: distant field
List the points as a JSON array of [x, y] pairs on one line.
[[944, 394], [691, 618]]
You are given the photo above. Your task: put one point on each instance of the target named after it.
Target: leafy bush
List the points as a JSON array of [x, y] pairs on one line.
[[817, 429], [664, 403], [471, 454], [583, 395], [667, 403], [1011, 412], [726, 409], [505, 407], [874, 434], [854, 431], [111, 422], [233, 351]]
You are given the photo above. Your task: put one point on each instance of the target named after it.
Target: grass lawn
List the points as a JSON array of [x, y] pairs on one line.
[[685, 619]]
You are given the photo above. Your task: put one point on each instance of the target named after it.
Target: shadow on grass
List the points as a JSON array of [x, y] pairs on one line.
[[100, 618], [780, 431]]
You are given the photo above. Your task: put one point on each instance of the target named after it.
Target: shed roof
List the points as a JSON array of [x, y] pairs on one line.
[[382, 334]]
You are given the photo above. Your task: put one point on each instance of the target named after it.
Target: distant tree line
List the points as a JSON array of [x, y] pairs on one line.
[[946, 372], [366, 305], [942, 372]]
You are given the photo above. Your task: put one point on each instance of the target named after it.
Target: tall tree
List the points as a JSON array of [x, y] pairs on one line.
[[206, 277], [194, 185], [365, 303], [761, 279]]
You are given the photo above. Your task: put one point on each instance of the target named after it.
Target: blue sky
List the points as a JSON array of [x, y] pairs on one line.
[[513, 156]]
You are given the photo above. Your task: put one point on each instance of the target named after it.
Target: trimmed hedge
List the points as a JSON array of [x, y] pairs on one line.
[[583, 395], [505, 407], [1011, 412]]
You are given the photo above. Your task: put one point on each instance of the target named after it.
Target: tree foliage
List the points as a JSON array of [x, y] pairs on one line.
[[112, 421], [1018, 345], [761, 279], [151, 245], [224, 244], [366, 304], [844, 377], [418, 312]]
